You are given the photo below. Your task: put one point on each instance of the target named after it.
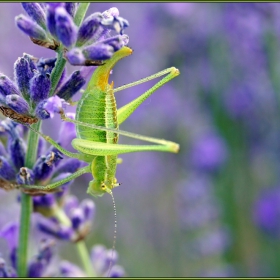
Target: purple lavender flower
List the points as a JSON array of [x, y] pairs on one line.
[[80, 218], [101, 258], [59, 20]]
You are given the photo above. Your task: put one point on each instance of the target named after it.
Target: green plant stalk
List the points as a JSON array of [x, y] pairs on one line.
[[26, 206], [81, 12], [58, 69], [84, 256]]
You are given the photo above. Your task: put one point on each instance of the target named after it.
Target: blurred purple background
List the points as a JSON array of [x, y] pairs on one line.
[[212, 209]]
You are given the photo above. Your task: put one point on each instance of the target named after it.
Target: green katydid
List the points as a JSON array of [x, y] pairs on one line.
[[97, 124]]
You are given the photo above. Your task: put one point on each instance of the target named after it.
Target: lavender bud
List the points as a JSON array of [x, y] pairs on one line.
[[76, 57], [30, 28], [17, 151], [115, 23], [88, 28], [66, 29], [17, 103], [71, 86], [68, 269], [44, 166], [23, 74], [39, 87], [71, 8], [98, 52], [88, 207], [77, 218], [25, 176], [7, 86], [7, 172], [36, 12]]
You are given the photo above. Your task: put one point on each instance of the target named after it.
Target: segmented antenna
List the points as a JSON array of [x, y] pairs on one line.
[[115, 234]]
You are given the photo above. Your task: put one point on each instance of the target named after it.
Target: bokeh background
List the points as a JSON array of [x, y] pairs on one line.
[[214, 208]]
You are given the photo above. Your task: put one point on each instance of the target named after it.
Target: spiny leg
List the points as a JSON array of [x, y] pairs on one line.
[[168, 145], [50, 187], [125, 111], [61, 149]]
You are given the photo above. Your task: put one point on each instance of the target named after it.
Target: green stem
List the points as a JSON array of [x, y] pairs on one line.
[[81, 12], [58, 69], [26, 206], [85, 258]]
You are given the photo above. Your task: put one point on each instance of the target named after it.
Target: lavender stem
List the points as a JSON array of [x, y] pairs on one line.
[[81, 12], [26, 206]]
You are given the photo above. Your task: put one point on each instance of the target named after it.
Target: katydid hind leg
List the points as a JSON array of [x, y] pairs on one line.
[[170, 146], [56, 145]]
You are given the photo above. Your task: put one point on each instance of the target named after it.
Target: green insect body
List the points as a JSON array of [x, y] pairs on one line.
[[97, 125]]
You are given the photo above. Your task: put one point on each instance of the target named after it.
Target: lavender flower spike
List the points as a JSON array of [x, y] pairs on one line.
[[66, 29], [30, 28], [36, 12]]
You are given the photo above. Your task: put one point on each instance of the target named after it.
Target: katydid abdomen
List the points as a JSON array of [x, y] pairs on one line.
[[99, 107]]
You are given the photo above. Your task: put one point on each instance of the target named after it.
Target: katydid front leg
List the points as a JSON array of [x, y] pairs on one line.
[[125, 111]]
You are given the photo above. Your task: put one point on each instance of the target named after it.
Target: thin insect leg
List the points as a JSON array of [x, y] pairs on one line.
[[125, 111], [54, 185], [144, 80], [93, 148], [54, 143], [173, 147]]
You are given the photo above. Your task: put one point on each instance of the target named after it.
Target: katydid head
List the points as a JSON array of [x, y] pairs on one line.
[[97, 188]]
